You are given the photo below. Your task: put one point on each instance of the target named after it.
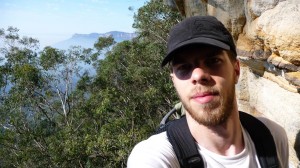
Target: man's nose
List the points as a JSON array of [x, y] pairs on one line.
[[200, 75]]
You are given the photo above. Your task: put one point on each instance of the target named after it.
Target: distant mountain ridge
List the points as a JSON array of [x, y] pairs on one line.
[[88, 40]]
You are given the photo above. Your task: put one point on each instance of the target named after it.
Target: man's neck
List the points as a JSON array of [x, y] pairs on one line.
[[225, 139]]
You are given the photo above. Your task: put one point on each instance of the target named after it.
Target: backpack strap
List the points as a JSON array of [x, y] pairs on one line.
[[186, 149], [262, 139], [184, 144]]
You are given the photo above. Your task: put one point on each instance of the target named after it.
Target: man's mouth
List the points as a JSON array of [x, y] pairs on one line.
[[204, 97]]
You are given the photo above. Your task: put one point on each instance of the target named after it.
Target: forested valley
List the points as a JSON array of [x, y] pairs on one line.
[[49, 119]]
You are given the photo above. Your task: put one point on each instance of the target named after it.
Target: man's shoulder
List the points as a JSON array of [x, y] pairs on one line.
[[276, 130], [156, 151], [154, 141], [280, 138]]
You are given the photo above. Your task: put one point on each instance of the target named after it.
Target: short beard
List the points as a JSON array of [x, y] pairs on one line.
[[216, 112]]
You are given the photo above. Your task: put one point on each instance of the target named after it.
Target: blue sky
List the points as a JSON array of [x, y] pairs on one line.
[[52, 21]]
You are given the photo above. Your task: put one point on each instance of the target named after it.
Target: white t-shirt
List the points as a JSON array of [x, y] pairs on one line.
[[157, 152]]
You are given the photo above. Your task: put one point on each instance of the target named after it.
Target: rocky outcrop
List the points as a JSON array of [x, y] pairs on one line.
[[267, 35]]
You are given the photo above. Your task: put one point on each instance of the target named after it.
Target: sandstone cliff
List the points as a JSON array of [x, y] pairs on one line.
[[267, 35]]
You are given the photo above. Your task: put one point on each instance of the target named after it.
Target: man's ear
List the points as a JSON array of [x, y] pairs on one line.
[[237, 70]]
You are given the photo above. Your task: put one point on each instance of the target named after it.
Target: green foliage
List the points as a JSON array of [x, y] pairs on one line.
[[50, 57], [153, 21], [104, 43], [49, 120], [27, 75], [135, 93], [131, 100], [39, 111]]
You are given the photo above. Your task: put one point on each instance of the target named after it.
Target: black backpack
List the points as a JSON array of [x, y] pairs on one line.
[[186, 149]]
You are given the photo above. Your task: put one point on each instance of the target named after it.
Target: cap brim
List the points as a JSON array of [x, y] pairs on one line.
[[199, 40]]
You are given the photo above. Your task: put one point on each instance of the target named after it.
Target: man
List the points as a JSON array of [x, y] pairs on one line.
[[204, 71]]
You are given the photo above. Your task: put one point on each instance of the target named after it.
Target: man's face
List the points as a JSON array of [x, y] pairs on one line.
[[205, 78]]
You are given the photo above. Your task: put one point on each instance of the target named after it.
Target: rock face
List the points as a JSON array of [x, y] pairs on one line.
[[267, 35]]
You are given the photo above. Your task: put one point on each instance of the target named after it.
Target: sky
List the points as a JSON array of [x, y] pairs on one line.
[[51, 21]]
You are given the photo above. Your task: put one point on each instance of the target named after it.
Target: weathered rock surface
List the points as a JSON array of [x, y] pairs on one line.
[[267, 35], [279, 31], [263, 97]]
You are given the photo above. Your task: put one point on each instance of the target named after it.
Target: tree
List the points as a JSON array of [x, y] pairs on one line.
[[132, 94], [104, 43], [55, 114], [21, 78], [38, 112], [154, 20]]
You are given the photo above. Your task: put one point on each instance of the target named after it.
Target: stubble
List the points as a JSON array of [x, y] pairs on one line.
[[215, 112]]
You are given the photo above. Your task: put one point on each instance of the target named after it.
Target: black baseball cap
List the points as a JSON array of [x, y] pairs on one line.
[[206, 30]]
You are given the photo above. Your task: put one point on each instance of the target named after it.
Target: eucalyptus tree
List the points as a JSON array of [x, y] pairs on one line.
[[130, 92], [55, 114], [38, 107]]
